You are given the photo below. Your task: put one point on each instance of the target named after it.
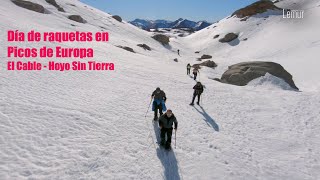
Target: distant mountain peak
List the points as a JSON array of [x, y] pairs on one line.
[[178, 24]]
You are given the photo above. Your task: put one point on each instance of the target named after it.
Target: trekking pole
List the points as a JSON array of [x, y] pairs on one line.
[[175, 139], [148, 108], [202, 98]]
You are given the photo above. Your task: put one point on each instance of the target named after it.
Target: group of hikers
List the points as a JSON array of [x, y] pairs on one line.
[[195, 71], [167, 120]]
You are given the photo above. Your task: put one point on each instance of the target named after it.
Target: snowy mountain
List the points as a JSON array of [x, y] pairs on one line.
[[148, 24], [94, 125], [201, 25], [183, 23], [178, 24]]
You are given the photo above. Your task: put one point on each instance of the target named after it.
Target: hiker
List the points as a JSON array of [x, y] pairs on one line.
[[159, 99], [188, 68], [198, 90], [165, 123], [179, 52], [195, 72]]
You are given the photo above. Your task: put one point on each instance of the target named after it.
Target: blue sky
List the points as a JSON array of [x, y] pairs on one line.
[[209, 10]]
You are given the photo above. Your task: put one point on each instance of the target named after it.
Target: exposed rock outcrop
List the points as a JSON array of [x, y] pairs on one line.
[[163, 39], [241, 74], [228, 38], [77, 18], [144, 46], [205, 56], [118, 18], [127, 48], [210, 64], [54, 3], [29, 5], [255, 8]]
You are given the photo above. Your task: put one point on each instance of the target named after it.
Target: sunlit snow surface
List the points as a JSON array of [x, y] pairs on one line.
[[92, 125]]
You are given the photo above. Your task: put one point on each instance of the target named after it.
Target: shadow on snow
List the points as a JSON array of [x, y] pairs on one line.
[[208, 119], [167, 158]]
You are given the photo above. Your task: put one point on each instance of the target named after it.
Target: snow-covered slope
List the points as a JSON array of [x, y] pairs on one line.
[[92, 125], [293, 43]]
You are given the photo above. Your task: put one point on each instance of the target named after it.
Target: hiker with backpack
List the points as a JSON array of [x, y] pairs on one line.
[[159, 100], [198, 90], [188, 69], [165, 123], [195, 72]]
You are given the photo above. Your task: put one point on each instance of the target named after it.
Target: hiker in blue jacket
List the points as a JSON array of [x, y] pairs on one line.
[[159, 100]]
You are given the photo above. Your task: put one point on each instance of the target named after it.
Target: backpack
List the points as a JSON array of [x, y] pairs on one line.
[[198, 89]]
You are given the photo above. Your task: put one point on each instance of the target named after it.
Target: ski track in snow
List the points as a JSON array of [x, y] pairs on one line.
[[92, 125]]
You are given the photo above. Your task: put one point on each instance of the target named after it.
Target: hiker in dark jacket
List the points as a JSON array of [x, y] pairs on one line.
[[188, 69], [165, 123], [198, 90], [195, 73], [159, 99]]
